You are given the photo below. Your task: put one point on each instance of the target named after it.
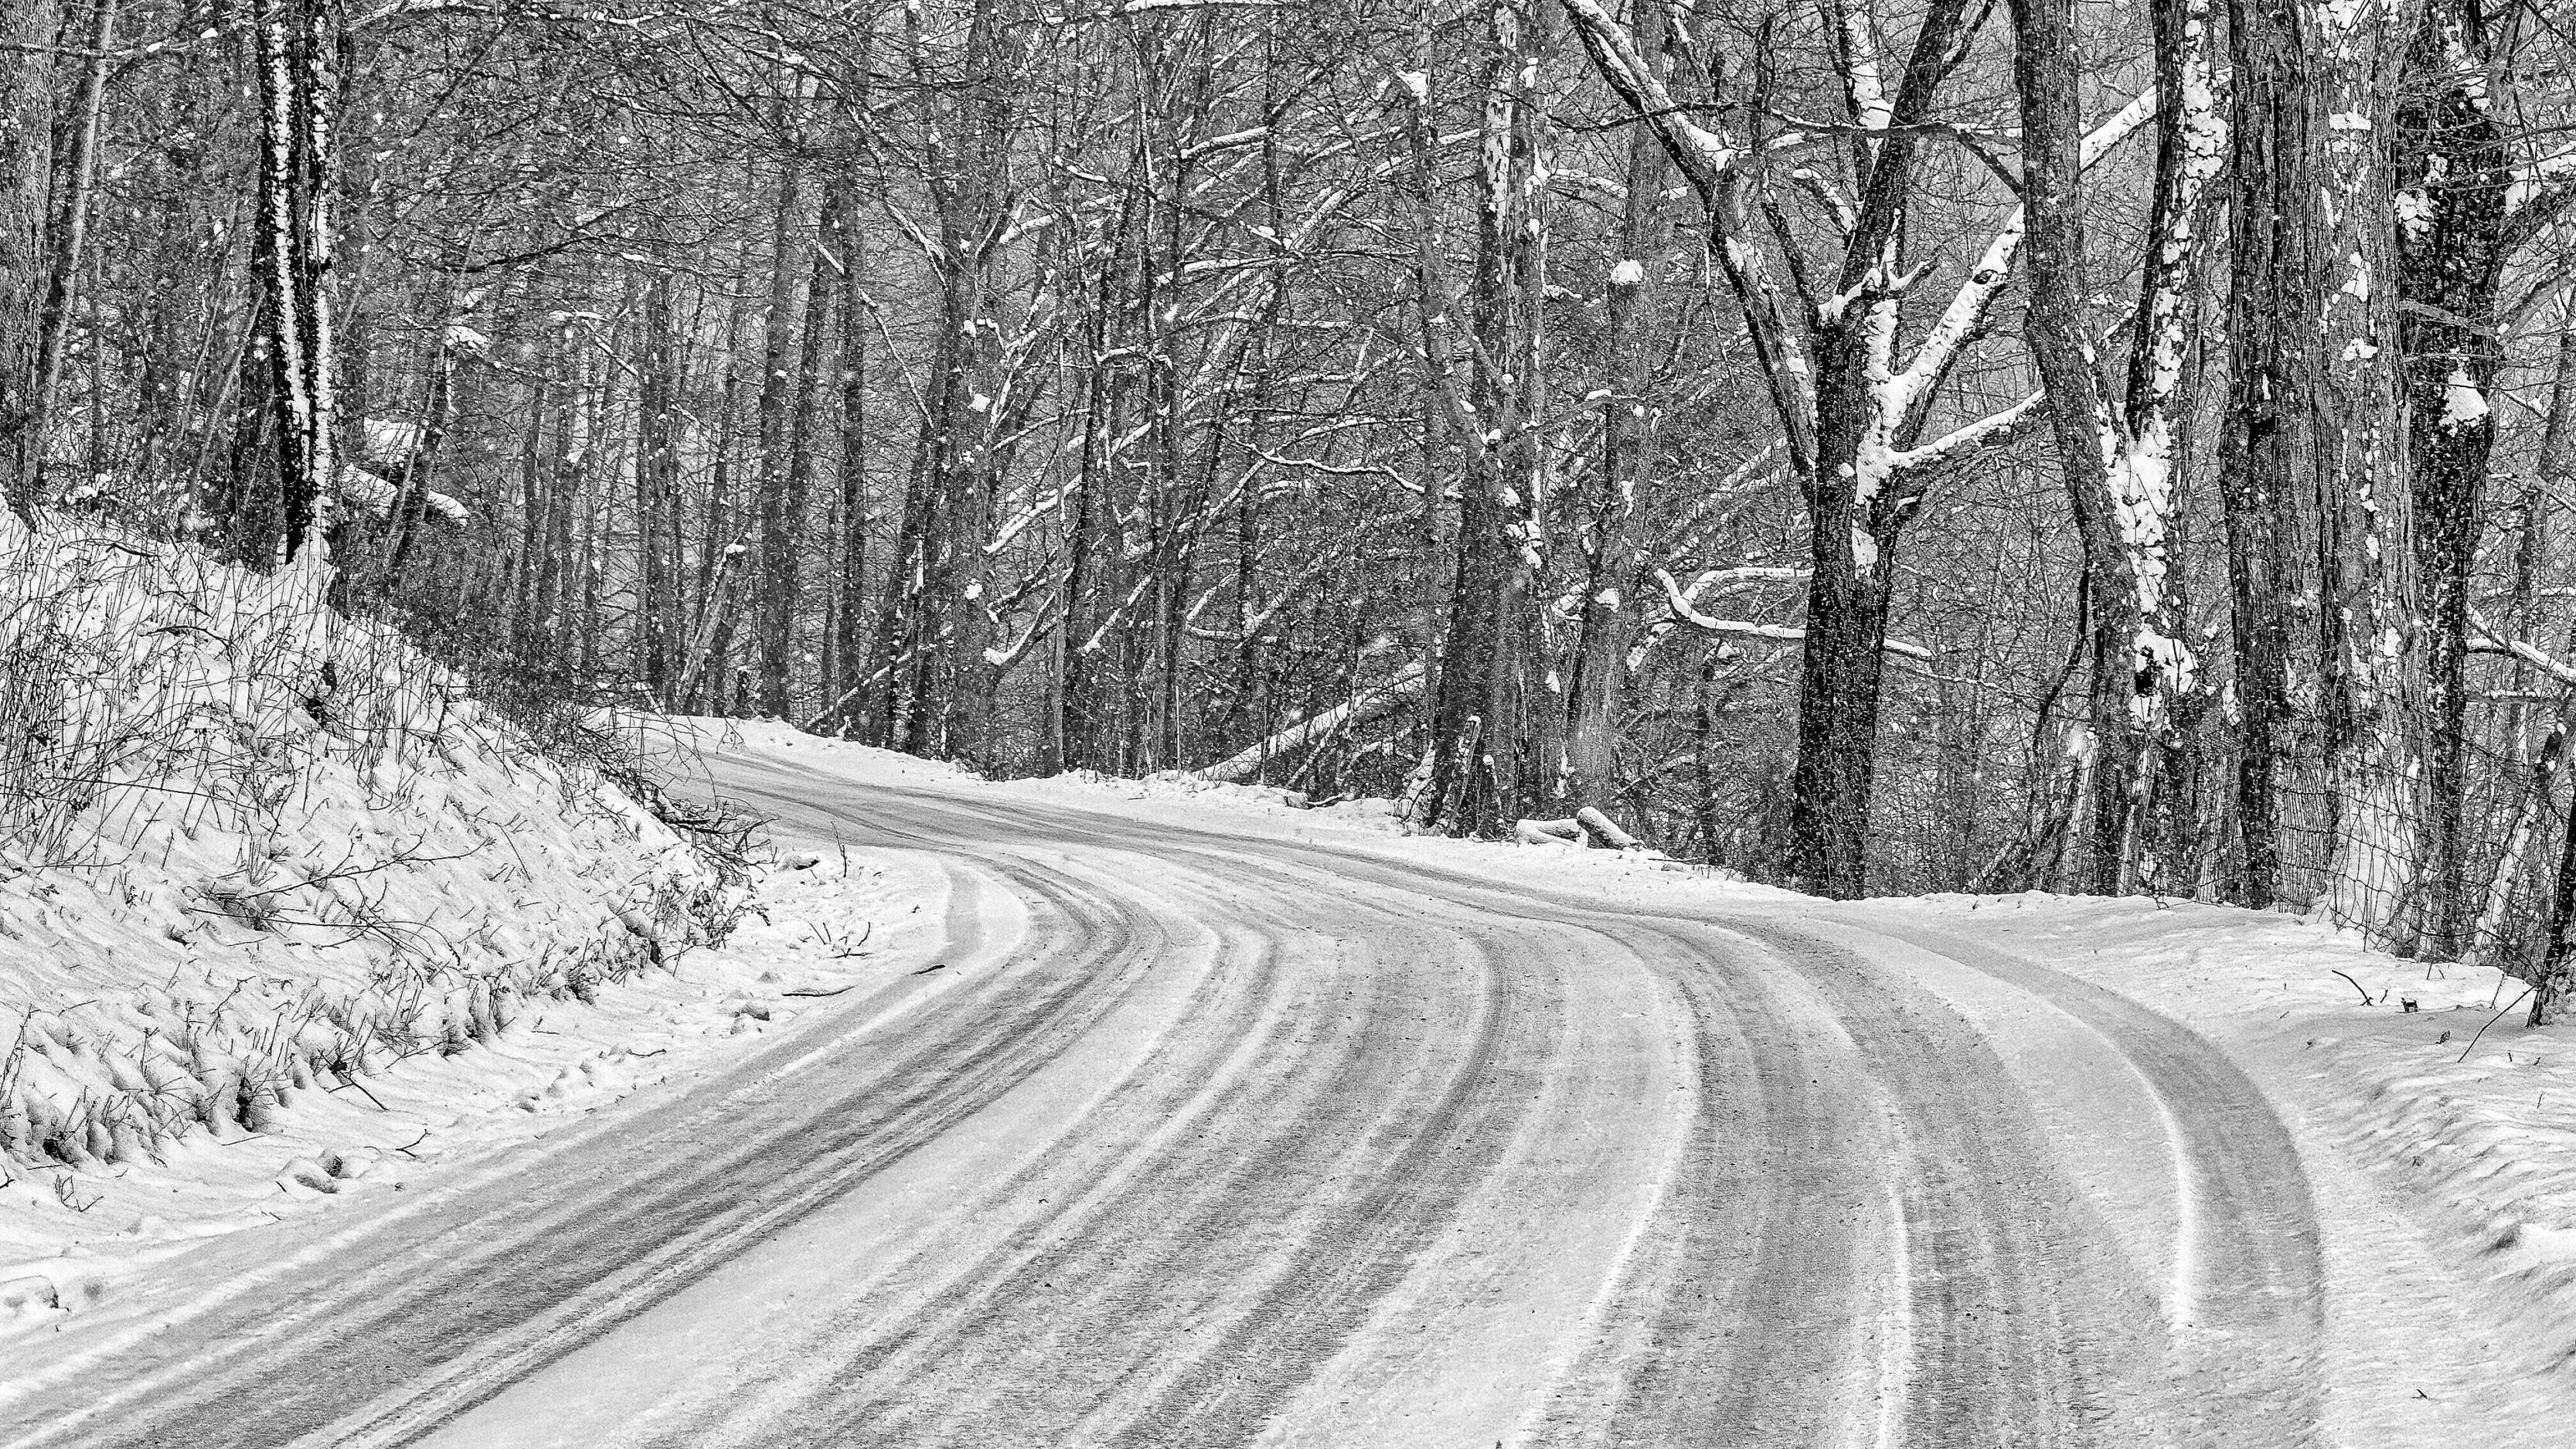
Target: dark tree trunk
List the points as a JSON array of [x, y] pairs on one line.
[[1095, 563], [2454, 170], [67, 231], [849, 611], [26, 163], [1840, 668], [778, 605], [657, 480], [1485, 771], [419, 467], [2551, 981], [778, 519], [2267, 464], [2047, 75], [2318, 512]]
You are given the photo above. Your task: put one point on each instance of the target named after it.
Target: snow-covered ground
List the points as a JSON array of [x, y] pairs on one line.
[[80, 1241], [2440, 1144], [2441, 1140], [283, 913]]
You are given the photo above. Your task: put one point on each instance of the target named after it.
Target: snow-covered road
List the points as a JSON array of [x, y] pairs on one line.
[[1194, 1137]]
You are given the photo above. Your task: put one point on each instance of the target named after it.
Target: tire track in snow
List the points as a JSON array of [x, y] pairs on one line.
[[2248, 1301], [1858, 1238], [443, 1325], [1235, 1259], [1357, 1255], [2244, 1360], [2023, 1324], [2007, 1334], [1742, 1324]]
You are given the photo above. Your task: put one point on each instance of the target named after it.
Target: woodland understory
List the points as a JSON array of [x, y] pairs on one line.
[[1908, 446]]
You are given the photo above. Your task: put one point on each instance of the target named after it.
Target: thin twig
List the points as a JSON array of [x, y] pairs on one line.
[[2357, 986], [2492, 1020]]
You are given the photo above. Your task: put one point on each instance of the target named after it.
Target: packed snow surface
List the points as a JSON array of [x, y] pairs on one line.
[[1151, 1110]]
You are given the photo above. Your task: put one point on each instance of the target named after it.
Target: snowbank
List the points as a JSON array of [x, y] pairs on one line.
[[253, 854], [118, 1247]]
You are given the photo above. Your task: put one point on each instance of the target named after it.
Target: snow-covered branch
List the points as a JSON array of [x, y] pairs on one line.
[[1704, 157], [2485, 640], [1684, 609], [1989, 431], [1968, 307]]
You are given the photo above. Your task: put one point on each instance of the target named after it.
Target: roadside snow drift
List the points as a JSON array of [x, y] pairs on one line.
[[251, 849]]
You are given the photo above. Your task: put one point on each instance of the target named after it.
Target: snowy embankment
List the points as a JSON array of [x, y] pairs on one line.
[[283, 915], [2441, 1140]]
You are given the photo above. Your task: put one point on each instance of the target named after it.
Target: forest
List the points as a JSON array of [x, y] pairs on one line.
[[1912, 446]]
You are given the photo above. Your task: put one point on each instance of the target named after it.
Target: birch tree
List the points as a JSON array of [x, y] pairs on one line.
[[284, 459]]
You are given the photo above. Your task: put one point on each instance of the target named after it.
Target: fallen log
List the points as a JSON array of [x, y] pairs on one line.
[[1585, 827], [1368, 704], [1601, 828]]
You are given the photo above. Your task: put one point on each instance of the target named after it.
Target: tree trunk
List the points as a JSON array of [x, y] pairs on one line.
[[778, 522], [2046, 74], [779, 607], [2267, 462], [1485, 766], [26, 165], [657, 482], [2454, 170], [1840, 664], [1627, 455], [2375, 692], [1850, 411], [296, 47], [2312, 466], [1095, 562], [849, 612], [2558, 956], [68, 232], [2154, 463], [419, 467]]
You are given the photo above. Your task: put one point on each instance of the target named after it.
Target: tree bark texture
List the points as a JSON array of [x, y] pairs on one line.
[[2454, 170], [2268, 469], [1486, 770], [2046, 75], [26, 164], [285, 453], [1628, 456], [779, 524]]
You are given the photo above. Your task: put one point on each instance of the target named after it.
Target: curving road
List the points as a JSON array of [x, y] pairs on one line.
[[1207, 1140]]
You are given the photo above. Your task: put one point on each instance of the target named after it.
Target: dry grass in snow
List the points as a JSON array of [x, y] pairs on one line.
[[254, 857], [210, 1208]]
